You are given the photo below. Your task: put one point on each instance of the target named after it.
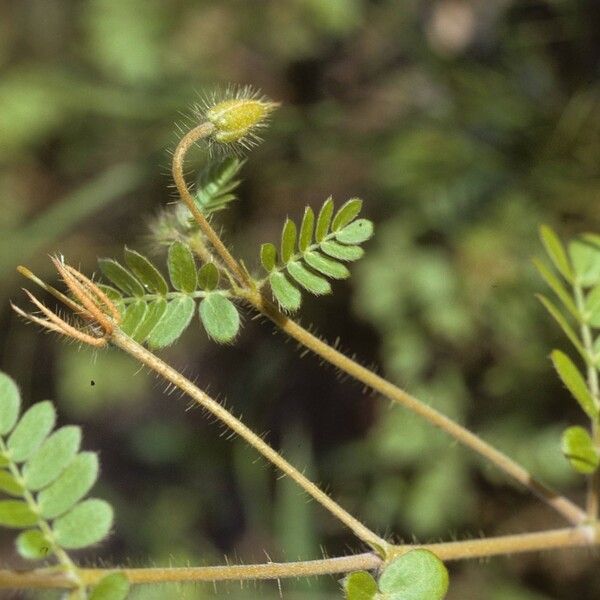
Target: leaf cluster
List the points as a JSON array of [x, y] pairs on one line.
[[157, 314], [315, 252], [575, 282]]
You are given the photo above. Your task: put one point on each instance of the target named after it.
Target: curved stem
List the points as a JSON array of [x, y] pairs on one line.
[[140, 353]]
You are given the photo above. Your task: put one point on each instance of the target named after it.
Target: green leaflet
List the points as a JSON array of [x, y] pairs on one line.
[[556, 252], [72, 485], [32, 544], [360, 586], [268, 256], [307, 279], [146, 272], [416, 575], [85, 524], [325, 265], [306, 229], [592, 307], [574, 382], [341, 252], [15, 513], [287, 295], [114, 586], [220, 318], [357, 232], [288, 240], [578, 448], [121, 277], [31, 431], [324, 219], [10, 403], [9, 485], [557, 287], [208, 277], [153, 315], [133, 317], [173, 323], [585, 257], [182, 268], [53, 456], [216, 183], [346, 214]]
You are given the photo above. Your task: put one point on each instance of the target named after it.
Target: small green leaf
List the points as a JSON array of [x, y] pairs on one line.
[[85, 524], [416, 575], [578, 448], [268, 256], [182, 268], [287, 295], [306, 229], [9, 484], [10, 403], [360, 586], [174, 322], [325, 265], [592, 307], [585, 257], [557, 287], [556, 252], [112, 293], [208, 277], [31, 431], [341, 252], [72, 485], [133, 317], [346, 214], [154, 314], [574, 382], [146, 272], [52, 457], [121, 277], [15, 513], [219, 317], [32, 545], [216, 183], [111, 587], [357, 232], [564, 325], [288, 240], [307, 279], [324, 219]]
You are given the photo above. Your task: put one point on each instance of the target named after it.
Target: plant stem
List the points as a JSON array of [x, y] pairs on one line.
[[462, 550], [593, 492], [573, 513], [146, 357]]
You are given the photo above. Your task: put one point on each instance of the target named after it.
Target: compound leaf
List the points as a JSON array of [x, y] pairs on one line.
[[174, 322], [182, 268], [146, 272], [85, 524], [121, 277], [574, 382], [10, 403], [287, 295], [219, 317], [578, 448], [31, 430], [52, 457], [216, 183]]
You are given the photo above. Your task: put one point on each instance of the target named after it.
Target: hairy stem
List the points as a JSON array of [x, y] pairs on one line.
[[468, 549], [593, 492], [124, 342], [573, 513]]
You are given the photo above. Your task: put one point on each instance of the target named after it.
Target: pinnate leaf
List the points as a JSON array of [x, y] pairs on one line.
[[216, 183], [574, 382], [357, 232], [121, 277], [346, 214], [32, 545], [15, 513], [52, 457], [31, 430], [146, 272], [307, 279], [360, 586], [219, 317], [85, 524], [416, 575], [182, 268], [578, 448], [173, 323], [208, 277], [10, 403], [72, 485], [114, 586], [287, 295]]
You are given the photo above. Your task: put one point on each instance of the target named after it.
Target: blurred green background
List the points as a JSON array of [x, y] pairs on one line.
[[464, 124]]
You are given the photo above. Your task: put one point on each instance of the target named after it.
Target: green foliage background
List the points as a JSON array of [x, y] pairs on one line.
[[462, 124]]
